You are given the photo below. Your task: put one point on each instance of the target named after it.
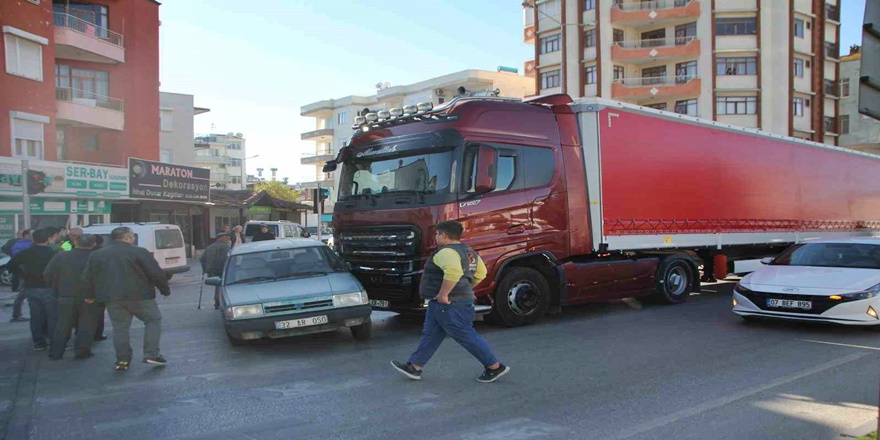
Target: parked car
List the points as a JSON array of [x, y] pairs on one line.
[[5, 274], [289, 287], [835, 281], [280, 229], [326, 235], [164, 241]]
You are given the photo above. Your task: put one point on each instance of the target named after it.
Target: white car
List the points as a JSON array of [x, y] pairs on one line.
[[835, 281]]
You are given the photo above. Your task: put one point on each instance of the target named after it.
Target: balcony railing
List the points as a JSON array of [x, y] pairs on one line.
[[91, 99], [650, 5], [656, 81], [84, 27], [830, 125], [832, 50], [832, 13], [832, 88], [655, 42], [318, 153]]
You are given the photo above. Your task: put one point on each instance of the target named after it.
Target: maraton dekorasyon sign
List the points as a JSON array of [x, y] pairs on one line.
[[164, 181]]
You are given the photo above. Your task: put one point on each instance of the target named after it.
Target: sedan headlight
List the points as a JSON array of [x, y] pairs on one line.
[[247, 311], [350, 299], [868, 293]]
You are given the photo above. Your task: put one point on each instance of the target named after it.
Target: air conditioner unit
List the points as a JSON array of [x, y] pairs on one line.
[[439, 92]]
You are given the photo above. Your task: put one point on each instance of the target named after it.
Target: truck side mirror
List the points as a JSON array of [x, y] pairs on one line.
[[487, 160], [330, 166]]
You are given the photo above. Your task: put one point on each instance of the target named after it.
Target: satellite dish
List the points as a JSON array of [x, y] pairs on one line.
[[239, 135], [378, 86], [230, 134]]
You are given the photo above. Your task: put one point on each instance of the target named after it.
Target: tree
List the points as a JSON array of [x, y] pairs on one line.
[[278, 190]]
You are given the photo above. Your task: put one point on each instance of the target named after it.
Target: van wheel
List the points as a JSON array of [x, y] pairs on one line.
[[362, 332], [235, 342], [675, 280], [522, 298]]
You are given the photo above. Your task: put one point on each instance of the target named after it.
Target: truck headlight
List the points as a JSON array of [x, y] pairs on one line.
[[350, 299], [247, 311]]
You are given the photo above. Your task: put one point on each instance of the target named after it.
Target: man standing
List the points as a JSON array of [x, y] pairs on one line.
[[64, 275], [125, 278], [214, 260], [31, 262], [20, 244], [72, 236], [263, 235], [237, 237], [447, 282]]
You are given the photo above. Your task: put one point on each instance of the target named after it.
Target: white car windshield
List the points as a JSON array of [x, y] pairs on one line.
[[852, 255]]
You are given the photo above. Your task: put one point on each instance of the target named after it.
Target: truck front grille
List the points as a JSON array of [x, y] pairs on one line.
[[387, 250]]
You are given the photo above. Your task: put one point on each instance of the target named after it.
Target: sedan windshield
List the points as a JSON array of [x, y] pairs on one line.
[[425, 173], [282, 264], [852, 255]]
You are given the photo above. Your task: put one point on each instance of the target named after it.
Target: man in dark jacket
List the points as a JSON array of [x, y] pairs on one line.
[[31, 263], [214, 260], [21, 242], [125, 277], [64, 274], [263, 235]]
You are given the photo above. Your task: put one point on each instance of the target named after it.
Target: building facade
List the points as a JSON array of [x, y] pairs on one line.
[[176, 112], [225, 155], [766, 64], [857, 131], [334, 117]]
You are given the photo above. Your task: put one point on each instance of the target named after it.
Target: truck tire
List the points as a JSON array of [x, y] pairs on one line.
[[522, 298], [362, 332], [675, 278]]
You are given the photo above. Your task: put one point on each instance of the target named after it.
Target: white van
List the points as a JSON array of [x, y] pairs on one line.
[[165, 242], [281, 229]]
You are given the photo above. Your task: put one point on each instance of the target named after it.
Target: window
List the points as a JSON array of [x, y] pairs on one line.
[[685, 72], [831, 12], [831, 50], [844, 124], [799, 28], [94, 14], [342, 118], [590, 38], [844, 88], [591, 74], [506, 172], [90, 143], [798, 104], [549, 8], [619, 73], [589, 5], [617, 36], [736, 26], [166, 120], [799, 67], [657, 106], [736, 105], [830, 124], [168, 239], [23, 57], [687, 107], [551, 79], [550, 43], [653, 75], [83, 84], [540, 164], [61, 144], [28, 137], [236, 179], [685, 32], [165, 155], [234, 145], [235, 162], [736, 66]]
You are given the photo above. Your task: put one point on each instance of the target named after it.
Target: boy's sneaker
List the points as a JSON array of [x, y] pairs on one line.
[[407, 370], [41, 347], [493, 375], [156, 360], [122, 365]]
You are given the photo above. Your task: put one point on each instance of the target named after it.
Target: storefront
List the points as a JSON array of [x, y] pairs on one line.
[[238, 207]]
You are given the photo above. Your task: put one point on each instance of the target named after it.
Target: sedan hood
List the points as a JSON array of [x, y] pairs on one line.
[[282, 290], [811, 280]]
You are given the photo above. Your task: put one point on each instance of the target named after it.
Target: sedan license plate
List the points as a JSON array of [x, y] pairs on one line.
[[379, 303], [172, 259], [305, 322], [789, 304]]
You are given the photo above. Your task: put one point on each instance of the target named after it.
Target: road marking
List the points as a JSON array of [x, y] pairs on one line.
[[660, 422], [843, 345]]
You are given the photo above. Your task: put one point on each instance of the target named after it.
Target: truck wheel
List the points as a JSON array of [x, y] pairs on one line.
[[235, 342], [675, 279], [522, 298], [362, 332]]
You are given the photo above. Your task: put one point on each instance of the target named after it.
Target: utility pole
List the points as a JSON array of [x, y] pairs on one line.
[[25, 197], [320, 210]]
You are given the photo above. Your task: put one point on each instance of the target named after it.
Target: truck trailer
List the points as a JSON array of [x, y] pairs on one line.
[[570, 202]]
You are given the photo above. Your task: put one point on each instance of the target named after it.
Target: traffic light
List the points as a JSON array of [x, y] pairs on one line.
[[36, 182], [324, 195]]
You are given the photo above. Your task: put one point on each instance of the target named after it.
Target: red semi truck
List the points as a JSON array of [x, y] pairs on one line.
[[575, 202]]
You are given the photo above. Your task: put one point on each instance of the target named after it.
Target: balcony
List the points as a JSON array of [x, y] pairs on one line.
[[211, 160], [87, 109], [317, 158], [643, 89], [321, 135], [832, 50], [657, 49], [77, 39], [640, 13], [830, 125], [832, 89]]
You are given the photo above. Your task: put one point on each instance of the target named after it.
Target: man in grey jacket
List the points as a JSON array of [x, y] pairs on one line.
[[214, 260], [125, 278], [64, 275]]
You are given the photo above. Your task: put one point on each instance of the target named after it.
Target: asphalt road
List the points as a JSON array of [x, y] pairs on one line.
[[612, 371]]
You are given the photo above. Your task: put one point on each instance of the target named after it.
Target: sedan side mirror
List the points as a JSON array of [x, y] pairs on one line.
[[767, 260], [213, 281]]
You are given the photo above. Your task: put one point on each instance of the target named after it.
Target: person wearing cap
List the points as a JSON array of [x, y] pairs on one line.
[[237, 237], [263, 235], [214, 260]]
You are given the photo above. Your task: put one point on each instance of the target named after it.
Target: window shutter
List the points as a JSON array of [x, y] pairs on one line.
[[28, 130], [29, 58]]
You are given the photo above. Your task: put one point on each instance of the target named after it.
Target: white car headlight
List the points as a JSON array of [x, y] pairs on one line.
[[350, 299], [247, 311]]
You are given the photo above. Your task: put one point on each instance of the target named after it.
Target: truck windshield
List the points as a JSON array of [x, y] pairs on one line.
[[424, 173]]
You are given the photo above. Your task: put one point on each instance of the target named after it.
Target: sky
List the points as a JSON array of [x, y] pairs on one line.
[[255, 63]]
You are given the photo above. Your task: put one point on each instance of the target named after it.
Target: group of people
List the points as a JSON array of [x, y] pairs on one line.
[[69, 283]]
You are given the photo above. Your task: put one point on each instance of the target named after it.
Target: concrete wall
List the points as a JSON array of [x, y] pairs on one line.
[[180, 139]]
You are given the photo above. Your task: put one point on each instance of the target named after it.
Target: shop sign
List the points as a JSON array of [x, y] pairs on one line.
[[260, 210], [7, 227], [165, 181], [48, 206], [59, 179]]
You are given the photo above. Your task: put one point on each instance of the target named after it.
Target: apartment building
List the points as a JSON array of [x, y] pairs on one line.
[[767, 64], [80, 80], [334, 117], [176, 125], [225, 155], [857, 131]]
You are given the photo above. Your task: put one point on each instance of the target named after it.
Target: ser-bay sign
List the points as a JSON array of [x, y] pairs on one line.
[[66, 179], [163, 181]]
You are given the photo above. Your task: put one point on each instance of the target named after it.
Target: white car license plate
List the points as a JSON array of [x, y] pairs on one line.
[[789, 304], [379, 303], [305, 322]]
